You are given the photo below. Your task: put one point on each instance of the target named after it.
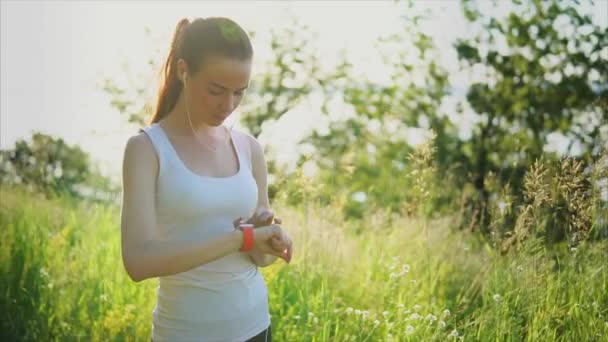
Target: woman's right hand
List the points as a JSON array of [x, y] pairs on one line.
[[263, 240]]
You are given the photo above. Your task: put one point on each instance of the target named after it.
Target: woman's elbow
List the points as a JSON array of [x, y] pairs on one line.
[[134, 270], [133, 273]]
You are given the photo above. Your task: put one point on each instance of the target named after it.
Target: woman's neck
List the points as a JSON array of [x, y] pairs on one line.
[[177, 121]]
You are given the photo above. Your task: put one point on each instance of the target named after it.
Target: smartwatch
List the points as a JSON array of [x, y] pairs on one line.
[[248, 240]]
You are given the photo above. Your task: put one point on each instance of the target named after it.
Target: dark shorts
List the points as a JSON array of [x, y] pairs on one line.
[[261, 337]]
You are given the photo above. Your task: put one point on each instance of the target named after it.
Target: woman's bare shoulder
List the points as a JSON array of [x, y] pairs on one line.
[[247, 138], [139, 151]]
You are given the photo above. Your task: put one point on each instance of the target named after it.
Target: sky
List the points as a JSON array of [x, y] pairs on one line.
[[54, 56]]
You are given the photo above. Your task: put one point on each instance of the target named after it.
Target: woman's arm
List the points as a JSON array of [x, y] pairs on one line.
[[144, 254], [260, 173]]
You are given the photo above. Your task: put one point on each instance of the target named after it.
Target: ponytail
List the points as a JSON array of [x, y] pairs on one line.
[[194, 42], [170, 85]]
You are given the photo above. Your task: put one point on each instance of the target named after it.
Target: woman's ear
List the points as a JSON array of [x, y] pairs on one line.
[[182, 69]]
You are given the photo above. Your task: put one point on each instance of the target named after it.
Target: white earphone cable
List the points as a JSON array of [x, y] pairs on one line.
[[214, 149]]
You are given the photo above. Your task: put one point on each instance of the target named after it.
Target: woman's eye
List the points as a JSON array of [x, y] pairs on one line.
[[238, 93]]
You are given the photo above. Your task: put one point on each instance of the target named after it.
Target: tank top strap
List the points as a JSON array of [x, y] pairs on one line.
[[161, 144], [242, 150]]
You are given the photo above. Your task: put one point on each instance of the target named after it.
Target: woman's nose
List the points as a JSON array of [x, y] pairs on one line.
[[228, 103]]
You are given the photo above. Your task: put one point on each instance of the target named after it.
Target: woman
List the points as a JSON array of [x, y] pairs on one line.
[[187, 182]]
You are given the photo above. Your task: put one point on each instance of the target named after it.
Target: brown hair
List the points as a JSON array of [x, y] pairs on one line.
[[194, 42]]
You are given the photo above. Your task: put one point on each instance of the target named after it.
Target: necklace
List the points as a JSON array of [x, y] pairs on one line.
[[208, 145]]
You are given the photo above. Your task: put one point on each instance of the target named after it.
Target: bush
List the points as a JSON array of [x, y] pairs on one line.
[[50, 166]]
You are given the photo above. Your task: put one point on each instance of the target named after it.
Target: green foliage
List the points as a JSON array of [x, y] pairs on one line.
[[290, 75], [134, 99], [540, 71], [365, 155], [61, 278], [563, 202], [48, 165]]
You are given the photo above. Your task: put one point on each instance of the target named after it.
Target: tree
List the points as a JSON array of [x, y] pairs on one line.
[[288, 77], [365, 156], [544, 73], [45, 163]]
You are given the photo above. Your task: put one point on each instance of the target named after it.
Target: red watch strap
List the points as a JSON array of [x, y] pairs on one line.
[[248, 241]]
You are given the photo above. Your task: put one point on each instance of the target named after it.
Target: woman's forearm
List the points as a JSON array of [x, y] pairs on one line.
[[155, 258]]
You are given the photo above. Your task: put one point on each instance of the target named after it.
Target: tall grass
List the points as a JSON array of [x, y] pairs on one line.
[[61, 278]]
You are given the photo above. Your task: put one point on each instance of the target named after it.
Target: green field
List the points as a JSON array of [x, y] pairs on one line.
[[61, 278]]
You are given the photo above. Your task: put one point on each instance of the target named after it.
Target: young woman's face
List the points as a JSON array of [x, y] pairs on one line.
[[215, 91]]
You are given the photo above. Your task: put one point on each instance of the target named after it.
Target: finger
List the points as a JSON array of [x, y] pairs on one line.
[[263, 213], [290, 250], [285, 256], [258, 218], [237, 221], [268, 216], [277, 254], [281, 239], [278, 245]]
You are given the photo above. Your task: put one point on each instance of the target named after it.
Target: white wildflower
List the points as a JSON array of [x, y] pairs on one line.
[[44, 273], [415, 316]]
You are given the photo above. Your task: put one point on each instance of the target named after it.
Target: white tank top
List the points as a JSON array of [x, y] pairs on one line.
[[223, 300]]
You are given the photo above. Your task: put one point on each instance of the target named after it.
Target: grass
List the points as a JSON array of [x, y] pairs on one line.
[[381, 279]]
